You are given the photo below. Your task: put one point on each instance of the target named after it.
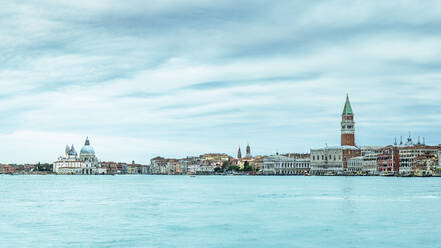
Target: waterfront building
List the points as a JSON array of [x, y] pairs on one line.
[[277, 164], [135, 168], [401, 157], [283, 165], [328, 160], [425, 165], [158, 165], [334, 160], [6, 169], [257, 163], [370, 163], [85, 163], [355, 165], [388, 160], [111, 167], [409, 154]]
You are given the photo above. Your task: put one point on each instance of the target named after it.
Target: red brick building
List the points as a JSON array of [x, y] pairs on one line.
[[349, 150]]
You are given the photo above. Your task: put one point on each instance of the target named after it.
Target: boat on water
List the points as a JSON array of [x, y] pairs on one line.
[[388, 174]]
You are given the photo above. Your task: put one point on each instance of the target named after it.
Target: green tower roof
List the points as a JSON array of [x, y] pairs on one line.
[[348, 109]]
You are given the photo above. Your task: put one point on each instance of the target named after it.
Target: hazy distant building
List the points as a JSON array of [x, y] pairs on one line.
[[239, 154], [248, 150]]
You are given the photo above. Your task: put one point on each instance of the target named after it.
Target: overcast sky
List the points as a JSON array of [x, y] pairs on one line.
[[177, 78]]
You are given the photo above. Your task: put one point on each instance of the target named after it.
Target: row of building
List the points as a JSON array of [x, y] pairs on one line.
[[87, 163], [403, 158]]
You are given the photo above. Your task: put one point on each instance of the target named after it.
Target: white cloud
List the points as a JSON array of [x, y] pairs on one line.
[[137, 78]]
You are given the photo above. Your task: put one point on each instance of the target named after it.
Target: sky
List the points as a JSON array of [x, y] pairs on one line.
[[183, 78]]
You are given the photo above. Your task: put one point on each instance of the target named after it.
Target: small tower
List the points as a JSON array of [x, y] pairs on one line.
[[239, 153], [248, 151], [347, 125], [67, 150]]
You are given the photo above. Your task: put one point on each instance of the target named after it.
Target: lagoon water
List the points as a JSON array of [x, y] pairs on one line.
[[219, 211]]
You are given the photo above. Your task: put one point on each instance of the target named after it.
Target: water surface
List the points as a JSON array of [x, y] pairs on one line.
[[224, 211]]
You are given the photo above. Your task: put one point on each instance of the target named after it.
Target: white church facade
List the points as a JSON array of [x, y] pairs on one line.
[[86, 163]]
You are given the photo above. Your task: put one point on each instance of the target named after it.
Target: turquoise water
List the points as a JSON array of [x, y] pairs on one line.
[[229, 211]]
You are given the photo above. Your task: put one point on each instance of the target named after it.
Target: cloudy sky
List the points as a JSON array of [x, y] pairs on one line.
[[176, 78]]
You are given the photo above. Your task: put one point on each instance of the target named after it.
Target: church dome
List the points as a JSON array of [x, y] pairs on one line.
[[87, 148]]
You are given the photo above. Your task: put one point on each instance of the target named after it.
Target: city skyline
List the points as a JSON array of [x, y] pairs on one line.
[[175, 79]]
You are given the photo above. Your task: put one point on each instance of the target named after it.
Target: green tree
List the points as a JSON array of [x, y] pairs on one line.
[[233, 168]]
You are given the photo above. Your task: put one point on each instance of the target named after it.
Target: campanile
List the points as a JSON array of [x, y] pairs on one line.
[[347, 125]]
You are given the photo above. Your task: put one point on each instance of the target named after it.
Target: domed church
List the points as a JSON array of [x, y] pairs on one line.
[[85, 163], [87, 153]]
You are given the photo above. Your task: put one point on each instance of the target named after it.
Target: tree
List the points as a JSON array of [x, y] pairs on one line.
[[44, 167], [247, 167], [233, 168]]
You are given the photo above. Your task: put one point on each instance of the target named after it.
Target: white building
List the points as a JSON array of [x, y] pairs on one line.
[[85, 163], [370, 163], [326, 160], [355, 164], [282, 165]]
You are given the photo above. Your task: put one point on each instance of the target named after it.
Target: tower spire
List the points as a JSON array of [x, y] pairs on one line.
[[347, 125], [239, 153], [248, 150], [348, 108]]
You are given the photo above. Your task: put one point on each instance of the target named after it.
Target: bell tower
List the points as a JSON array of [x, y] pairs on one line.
[[239, 153], [347, 125]]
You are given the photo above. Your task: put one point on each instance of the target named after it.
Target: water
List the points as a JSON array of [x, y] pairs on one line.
[[180, 211]]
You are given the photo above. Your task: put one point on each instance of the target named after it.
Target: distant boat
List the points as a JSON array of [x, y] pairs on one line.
[[192, 175], [388, 174]]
